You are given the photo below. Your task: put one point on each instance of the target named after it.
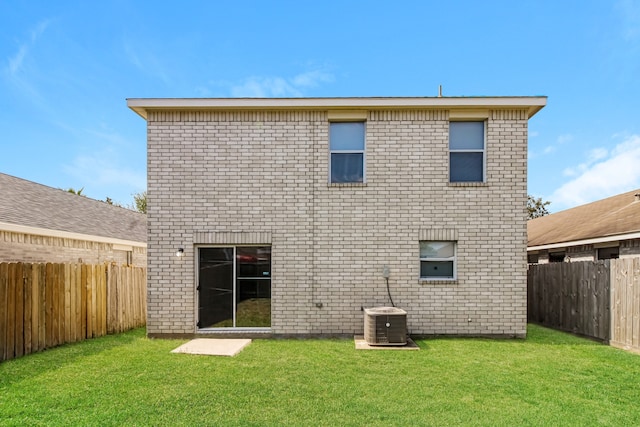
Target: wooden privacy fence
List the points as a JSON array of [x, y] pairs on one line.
[[599, 299], [45, 305]]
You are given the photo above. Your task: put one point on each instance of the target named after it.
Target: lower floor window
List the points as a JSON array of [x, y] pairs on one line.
[[556, 257], [437, 260], [234, 287], [609, 253]]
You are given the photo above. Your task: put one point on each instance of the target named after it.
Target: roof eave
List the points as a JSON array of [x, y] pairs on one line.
[[142, 106], [589, 241], [40, 231]]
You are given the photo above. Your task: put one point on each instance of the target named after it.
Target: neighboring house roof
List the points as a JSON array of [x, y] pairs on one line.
[[532, 104], [611, 219], [26, 206]]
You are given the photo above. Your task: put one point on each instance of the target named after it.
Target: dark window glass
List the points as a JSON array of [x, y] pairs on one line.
[[556, 257], [436, 269], [347, 167], [609, 253], [215, 286], [466, 167]]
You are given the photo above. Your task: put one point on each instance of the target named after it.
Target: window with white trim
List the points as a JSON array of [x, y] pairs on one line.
[[466, 151], [437, 260], [346, 146]]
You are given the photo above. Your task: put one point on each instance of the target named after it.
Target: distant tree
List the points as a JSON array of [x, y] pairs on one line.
[[110, 201], [78, 192], [140, 202], [537, 207]]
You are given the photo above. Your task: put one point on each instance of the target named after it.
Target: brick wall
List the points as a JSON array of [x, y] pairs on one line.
[[629, 248], [257, 176], [21, 247]]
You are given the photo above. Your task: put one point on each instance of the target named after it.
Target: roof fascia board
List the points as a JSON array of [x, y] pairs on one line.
[[596, 240], [533, 104], [5, 226]]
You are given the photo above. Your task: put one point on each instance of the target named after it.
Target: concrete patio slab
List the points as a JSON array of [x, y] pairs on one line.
[[361, 344], [213, 346]]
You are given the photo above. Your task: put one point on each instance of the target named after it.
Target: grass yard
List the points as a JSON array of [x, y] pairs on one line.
[[550, 379]]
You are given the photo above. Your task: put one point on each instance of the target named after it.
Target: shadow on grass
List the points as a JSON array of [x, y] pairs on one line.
[[544, 335], [51, 359], [536, 335]]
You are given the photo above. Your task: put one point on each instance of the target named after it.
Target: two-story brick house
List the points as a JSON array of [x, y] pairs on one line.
[[289, 216]]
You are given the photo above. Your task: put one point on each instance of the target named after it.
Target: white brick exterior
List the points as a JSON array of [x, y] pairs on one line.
[[262, 177]]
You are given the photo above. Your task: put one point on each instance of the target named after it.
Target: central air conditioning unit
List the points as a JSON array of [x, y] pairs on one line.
[[385, 326]]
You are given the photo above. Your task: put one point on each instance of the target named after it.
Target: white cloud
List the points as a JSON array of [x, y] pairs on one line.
[[592, 157], [312, 78], [268, 87], [562, 139], [146, 61], [15, 62], [96, 169], [103, 171], [264, 87], [531, 154], [604, 174], [630, 19]]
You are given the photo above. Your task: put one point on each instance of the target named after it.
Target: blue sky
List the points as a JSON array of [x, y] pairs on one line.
[[66, 69]]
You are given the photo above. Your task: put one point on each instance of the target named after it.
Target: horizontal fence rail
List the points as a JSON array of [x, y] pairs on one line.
[[598, 299], [46, 305]]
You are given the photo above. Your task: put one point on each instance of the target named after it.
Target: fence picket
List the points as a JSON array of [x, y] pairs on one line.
[[27, 311], [42, 306], [11, 312], [634, 269], [4, 280]]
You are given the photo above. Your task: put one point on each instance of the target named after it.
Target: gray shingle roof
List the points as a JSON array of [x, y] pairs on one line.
[[607, 217], [30, 204]]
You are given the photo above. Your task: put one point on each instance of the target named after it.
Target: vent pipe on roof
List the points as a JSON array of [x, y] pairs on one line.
[[440, 91]]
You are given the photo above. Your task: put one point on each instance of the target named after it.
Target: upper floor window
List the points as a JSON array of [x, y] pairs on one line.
[[466, 152], [346, 146]]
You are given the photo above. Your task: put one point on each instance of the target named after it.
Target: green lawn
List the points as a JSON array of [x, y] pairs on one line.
[[549, 379]]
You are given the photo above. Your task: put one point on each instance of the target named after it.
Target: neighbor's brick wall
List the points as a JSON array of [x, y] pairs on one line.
[[629, 248], [21, 247], [581, 253], [264, 176]]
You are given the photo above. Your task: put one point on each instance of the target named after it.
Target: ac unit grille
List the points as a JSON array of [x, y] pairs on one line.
[[385, 326]]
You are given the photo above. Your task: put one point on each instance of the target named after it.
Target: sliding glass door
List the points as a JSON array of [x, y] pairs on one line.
[[234, 287]]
